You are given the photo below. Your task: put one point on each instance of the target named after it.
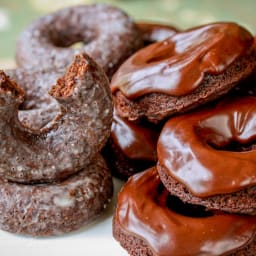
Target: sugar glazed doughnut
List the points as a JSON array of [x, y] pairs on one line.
[[183, 72], [149, 221], [108, 35], [209, 157], [71, 140], [61, 207]]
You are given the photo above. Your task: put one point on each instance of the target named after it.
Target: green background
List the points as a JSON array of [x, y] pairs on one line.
[[15, 15]]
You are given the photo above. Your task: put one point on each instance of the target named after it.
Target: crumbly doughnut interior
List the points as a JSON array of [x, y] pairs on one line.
[[7, 85], [65, 85]]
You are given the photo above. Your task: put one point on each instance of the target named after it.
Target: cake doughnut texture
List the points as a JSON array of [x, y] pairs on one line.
[[183, 72], [71, 140], [209, 157], [108, 35], [148, 221], [53, 209]]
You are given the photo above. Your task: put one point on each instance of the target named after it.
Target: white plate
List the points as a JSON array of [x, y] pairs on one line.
[[95, 239]]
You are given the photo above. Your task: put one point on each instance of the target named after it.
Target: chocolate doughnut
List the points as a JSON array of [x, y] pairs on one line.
[[71, 140], [183, 72], [108, 35], [131, 148], [154, 32], [53, 209], [149, 221], [209, 157]]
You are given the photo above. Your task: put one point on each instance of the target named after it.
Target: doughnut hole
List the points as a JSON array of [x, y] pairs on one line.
[[70, 36], [234, 132], [77, 45], [164, 198]]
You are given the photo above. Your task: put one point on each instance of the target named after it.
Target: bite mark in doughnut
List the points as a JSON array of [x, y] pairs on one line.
[[109, 36], [54, 209], [74, 137]]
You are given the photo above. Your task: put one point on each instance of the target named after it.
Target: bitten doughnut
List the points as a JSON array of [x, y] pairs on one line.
[[148, 221], [108, 35], [131, 148], [209, 157], [154, 32], [183, 72], [71, 140], [53, 209]]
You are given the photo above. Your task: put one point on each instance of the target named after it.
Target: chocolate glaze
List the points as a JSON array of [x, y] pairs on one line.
[[192, 148], [176, 66], [136, 142], [168, 232], [152, 32]]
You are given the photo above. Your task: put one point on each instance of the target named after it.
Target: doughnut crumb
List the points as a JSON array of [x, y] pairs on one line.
[[9, 86], [66, 84]]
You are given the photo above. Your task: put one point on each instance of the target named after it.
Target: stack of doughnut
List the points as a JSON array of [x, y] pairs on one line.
[[197, 89], [56, 116], [177, 120], [53, 178], [131, 147]]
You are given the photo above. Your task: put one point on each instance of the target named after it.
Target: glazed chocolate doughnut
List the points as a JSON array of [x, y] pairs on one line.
[[183, 72], [131, 148], [108, 34], [149, 221], [209, 157], [53, 209], [71, 140], [154, 32]]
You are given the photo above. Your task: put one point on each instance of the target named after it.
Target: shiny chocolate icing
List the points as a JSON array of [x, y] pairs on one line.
[[143, 211], [135, 141], [177, 65], [212, 151]]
